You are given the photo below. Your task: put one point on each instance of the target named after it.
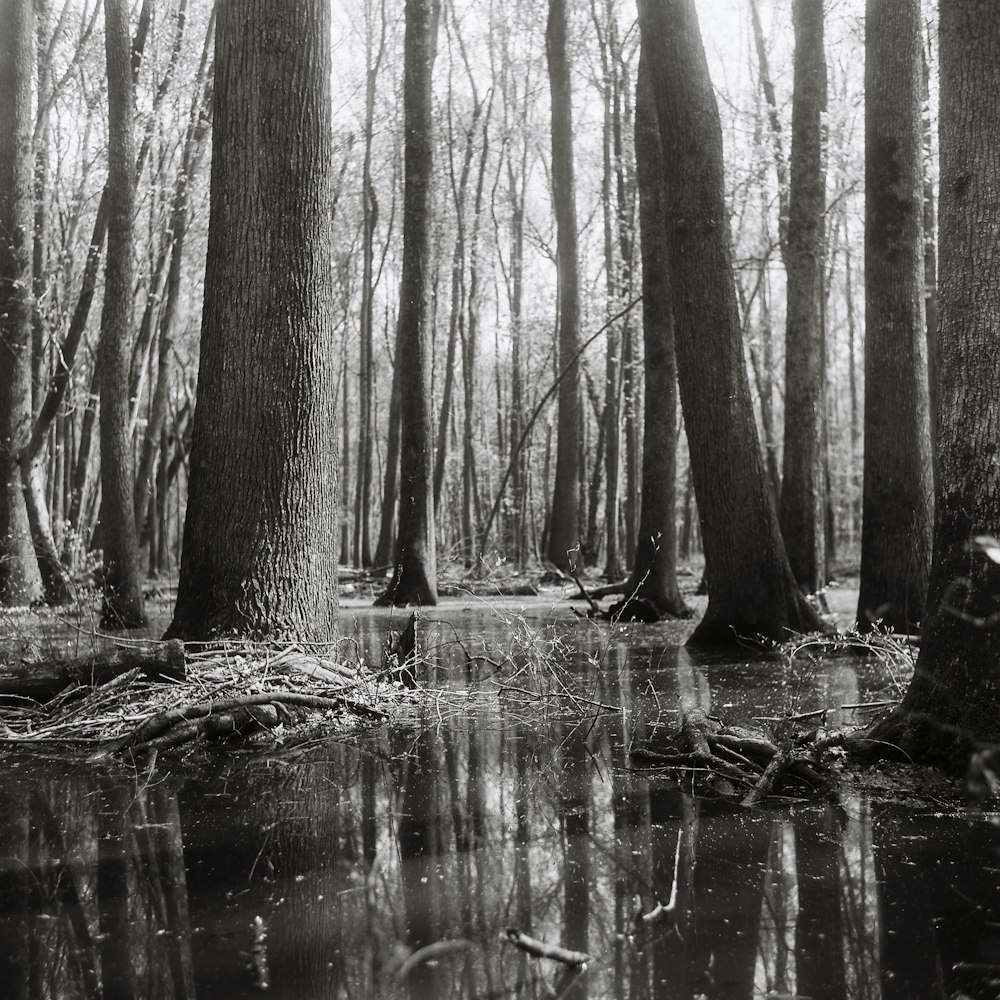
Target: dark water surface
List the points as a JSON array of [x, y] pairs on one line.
[[325, 870]]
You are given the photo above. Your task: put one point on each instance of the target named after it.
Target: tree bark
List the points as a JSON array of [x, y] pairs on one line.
[[122, 605], [752, 587], [953, 703], [260, 536], [19, 578], [563, 533], [897, 492], [414, 579], [802, 472]]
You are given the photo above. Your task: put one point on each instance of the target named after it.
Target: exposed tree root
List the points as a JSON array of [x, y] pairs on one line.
[[728, 760]]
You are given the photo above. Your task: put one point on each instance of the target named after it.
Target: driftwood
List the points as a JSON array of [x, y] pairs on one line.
[[42, 681]]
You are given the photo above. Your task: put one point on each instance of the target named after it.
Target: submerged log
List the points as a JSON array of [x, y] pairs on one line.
[[43, 680]]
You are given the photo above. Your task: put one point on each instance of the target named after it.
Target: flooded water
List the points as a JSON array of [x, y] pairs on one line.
[[393, 862]]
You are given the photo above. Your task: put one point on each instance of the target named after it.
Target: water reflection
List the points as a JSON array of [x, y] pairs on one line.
[[391, 865]]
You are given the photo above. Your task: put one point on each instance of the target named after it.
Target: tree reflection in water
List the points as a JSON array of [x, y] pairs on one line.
[[389, 865]]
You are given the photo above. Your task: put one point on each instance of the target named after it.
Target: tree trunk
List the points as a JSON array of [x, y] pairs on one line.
[[654, 569], [19, 579], [953, 705], [387, 521], [802, 473], [414, 579], [897, 492], [260, 536], [928, 165], [563, 533], [122, 583], [366, 368], [611, 415], [752, 587]]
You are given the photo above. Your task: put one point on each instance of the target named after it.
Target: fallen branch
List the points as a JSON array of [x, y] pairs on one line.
[[539, 949], [153, 732], [762, 789]]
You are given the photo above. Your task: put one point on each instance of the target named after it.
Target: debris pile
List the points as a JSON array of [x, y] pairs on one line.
[[144, 697]]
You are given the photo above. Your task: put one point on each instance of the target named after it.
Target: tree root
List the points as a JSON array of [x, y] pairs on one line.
[[742, 759]]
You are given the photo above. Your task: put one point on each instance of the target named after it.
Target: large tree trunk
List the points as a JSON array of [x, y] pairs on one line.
[[802, 472], [896, 498], [19, 579], [563, 533], [953, 702], [654, 569], [122, 584], [752, 587], [260, 537], [414, 579]]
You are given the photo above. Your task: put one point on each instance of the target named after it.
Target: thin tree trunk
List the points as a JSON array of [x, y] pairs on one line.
[[654, 568], [897, 496], [366, 367], [414, 578], [122, 583], [930, 240], [387, 522], [611, 417], [801, 479], [563, 534], [470, 358]]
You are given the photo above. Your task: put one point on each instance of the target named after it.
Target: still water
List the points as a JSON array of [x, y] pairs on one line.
[[390, 862]]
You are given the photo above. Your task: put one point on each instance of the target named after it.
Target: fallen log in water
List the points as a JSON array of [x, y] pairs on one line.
[[41, 681]]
